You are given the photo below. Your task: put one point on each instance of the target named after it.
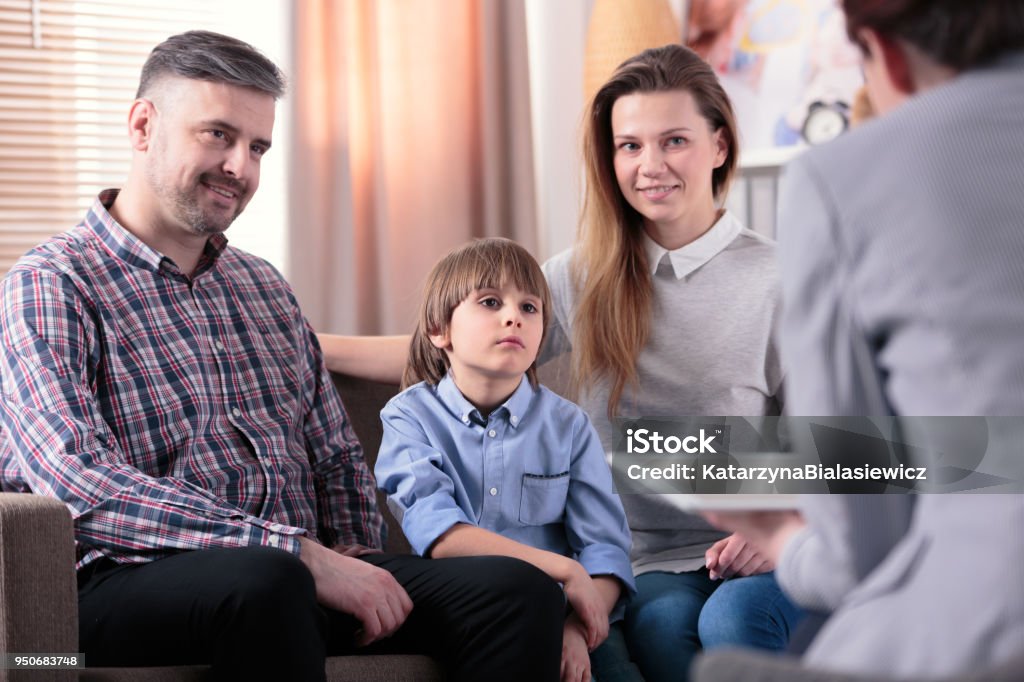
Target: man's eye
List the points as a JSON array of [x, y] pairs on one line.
[[258, 150]]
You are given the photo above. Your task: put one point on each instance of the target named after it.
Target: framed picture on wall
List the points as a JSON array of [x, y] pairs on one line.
[[788, 66]]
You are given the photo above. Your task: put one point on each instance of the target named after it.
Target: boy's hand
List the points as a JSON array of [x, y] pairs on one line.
[[588, 606], [575, 654]]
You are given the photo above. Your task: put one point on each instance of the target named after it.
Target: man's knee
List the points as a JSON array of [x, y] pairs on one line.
[[268, 582]]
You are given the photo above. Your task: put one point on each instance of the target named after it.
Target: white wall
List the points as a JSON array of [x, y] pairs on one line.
[[262, 229]]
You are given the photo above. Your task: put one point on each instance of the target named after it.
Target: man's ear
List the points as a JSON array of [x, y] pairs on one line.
[[894, 58], [141, 121]]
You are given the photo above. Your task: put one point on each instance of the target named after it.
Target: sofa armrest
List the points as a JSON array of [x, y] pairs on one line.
[[38, 589]]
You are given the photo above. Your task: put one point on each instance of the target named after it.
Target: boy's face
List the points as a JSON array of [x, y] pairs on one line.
[[494, 334]]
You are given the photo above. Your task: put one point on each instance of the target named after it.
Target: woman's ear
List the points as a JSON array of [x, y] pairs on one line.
[[887, 65], [721, 141]]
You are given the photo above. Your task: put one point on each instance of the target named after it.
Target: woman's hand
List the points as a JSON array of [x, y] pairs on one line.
[[767, 532], [734, 556]]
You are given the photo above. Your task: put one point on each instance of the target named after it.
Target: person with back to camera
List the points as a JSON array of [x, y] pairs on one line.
[[667, 305], [478, 458], [903, 279], [166, 387]]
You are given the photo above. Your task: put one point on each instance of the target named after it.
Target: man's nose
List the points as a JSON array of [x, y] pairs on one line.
[[236, 161]]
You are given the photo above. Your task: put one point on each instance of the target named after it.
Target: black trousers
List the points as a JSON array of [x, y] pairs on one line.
[[252, 614]]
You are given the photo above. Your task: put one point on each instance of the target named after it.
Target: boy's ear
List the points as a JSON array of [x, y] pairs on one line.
[[441, 341]]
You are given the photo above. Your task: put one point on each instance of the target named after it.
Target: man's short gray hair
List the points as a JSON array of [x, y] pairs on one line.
[[209, 56]]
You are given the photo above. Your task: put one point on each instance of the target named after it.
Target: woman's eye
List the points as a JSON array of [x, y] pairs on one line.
[[629, 146], [675, 141]]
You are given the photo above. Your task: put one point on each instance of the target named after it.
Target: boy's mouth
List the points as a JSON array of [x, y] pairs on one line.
[[514, 340]]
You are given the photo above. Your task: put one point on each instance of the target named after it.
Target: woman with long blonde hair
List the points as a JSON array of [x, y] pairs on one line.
[[667, 304]]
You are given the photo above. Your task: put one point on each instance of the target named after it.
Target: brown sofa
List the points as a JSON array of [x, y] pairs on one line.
[[38, 602]]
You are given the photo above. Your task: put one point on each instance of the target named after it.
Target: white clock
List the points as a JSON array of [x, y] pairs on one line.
[[825, 122]]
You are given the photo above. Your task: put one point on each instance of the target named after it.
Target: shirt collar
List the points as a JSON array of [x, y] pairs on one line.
[[127, 247], [515, 407], [686, 259]]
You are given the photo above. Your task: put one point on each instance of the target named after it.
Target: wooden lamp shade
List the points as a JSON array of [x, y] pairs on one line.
[[620, 29]]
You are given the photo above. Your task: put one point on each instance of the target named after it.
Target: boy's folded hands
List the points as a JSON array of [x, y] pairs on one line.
[[575, 654], [588, 605]]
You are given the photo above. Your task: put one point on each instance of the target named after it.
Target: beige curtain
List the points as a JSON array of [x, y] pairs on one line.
[[411, 136]]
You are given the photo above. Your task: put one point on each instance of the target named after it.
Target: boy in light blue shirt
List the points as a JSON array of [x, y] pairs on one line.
[[480, 459]]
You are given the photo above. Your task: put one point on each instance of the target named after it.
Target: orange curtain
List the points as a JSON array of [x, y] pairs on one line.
[[411, 136]]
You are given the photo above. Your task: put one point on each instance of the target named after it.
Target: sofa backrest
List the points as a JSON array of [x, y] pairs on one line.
[[363, 401]]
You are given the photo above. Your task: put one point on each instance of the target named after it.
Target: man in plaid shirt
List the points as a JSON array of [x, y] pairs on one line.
[[166, 387]]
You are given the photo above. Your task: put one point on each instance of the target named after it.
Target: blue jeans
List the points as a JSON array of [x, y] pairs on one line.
[[674, 615], [610, 662]]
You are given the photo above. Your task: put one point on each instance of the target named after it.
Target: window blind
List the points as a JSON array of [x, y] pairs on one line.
[[68, 73]]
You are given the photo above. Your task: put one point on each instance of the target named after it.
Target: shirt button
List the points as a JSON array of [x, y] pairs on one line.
[[493, 491], [236, 412], [273, 541], [492, 433], [219, 345], [514, 420]]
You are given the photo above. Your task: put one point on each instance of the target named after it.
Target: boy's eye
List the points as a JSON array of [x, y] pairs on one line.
[[530, 308], [490, 302]]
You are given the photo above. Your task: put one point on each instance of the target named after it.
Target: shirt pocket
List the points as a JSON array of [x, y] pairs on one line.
[[543, 500]]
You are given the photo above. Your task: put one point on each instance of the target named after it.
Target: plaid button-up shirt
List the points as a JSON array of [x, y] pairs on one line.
[[172, 413]]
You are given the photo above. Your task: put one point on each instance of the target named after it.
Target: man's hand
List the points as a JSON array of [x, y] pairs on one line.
[[346, 584], [734, 556], [355, 550], [767, 531], [575, 655], [588, 606]]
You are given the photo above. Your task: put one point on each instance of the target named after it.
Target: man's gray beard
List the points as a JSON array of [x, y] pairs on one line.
[[187, 210]]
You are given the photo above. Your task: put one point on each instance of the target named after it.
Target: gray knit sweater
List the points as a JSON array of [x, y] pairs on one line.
[[710, 352]]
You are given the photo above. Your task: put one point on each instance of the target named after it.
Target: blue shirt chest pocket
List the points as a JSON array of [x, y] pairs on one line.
[[543, 500]]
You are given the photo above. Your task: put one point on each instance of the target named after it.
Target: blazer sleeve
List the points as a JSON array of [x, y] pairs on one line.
[[829, 371]]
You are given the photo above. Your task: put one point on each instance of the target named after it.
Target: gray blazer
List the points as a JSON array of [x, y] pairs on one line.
[[902, 260]]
